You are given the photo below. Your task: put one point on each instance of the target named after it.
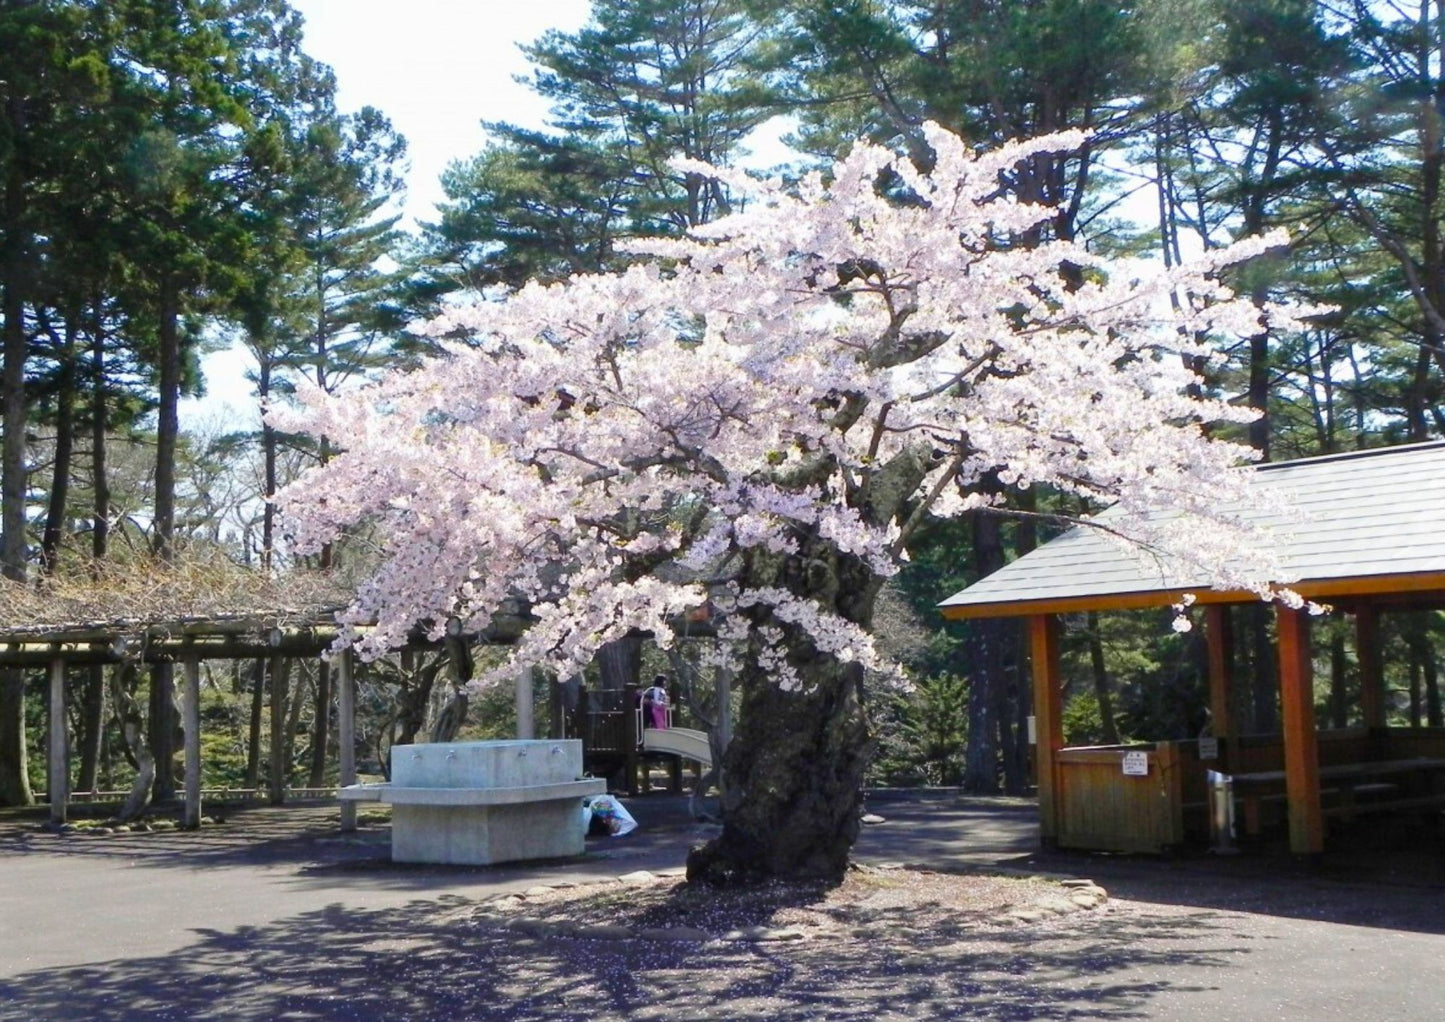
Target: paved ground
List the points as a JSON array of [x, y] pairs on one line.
[[274, 915]]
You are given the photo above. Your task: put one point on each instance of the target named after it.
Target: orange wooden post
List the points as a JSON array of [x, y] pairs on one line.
[[1301, 753], [1048, 720], [1372, 679], [1219, 637]]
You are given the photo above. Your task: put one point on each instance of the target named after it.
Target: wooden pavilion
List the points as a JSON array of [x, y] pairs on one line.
[[1363, 533]]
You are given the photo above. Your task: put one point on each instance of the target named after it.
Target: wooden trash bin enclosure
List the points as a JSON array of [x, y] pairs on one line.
[[1100, 807], [1103, 806]]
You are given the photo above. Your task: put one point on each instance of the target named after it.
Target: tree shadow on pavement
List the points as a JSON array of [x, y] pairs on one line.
[[423, 961], [1389, 875]]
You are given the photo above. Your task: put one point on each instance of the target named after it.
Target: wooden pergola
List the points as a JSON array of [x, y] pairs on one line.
[[189, 641], [1362, 532]]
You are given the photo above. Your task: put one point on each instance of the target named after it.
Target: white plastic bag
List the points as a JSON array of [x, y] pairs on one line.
[[612, 814]]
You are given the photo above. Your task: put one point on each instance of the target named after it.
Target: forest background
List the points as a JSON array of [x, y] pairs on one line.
[[176, 177]]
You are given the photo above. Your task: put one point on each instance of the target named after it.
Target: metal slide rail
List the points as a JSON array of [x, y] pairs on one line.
[[679, 741]]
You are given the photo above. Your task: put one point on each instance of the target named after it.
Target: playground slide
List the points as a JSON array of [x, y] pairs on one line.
[[679, 741]]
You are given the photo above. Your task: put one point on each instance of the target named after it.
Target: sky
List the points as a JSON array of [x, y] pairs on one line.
[[437, 68]]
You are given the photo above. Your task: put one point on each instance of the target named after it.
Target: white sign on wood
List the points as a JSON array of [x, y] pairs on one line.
[[1209, 748], [1136, 764]]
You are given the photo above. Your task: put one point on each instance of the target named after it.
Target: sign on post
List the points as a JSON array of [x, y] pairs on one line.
[[1136, 764], [1209, 748]]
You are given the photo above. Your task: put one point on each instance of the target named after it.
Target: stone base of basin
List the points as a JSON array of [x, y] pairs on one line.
[[483, 835], [479, 803]]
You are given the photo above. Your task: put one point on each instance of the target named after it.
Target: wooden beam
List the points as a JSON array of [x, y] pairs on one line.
[[1301, 751], [508, 623], [1372, 678], [526, 708], [1219, 637], [58, 763], [191, 724], [346, 735], [1048, 719]]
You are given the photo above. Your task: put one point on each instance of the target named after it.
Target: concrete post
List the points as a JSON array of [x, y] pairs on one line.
[[58, 781], [346, 735], [526, 711], [191, 700]]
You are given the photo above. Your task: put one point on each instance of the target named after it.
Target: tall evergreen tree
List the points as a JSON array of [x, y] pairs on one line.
[[643, 83]]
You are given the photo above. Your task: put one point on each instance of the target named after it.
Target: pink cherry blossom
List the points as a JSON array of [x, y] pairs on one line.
[[614, 448]]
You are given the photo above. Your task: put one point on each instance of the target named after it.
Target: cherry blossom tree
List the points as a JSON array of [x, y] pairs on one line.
[[759, 415]]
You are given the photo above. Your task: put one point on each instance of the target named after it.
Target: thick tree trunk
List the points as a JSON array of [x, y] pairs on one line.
[[14, 266], [164, 721], [100, 478], [1110, 733], [987, 652], [1339, 695], [14, 775], [269, 444], [1018, 703], [253, 731], [1425, 704], [14, 769], [1432, 690], [64, 447], [620, 663], [1416, 703], [453, 716], [167, 422], [795, 771], [279, 669], [92, 727], [132, 728], [296, 701], [1265, 673], [320, 726]]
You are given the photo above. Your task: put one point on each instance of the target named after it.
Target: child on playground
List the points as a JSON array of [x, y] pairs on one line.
[[654, 703]]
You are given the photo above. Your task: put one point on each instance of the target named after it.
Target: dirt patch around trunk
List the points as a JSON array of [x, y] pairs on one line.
[[872, 905]]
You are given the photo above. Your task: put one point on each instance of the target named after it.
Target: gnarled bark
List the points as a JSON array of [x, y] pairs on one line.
[[795, 768]]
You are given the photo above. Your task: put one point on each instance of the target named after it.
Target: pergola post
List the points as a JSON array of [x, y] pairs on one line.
[[346, 735], [1372, 679], [58, 763], [1048, 720], [191, 703], [1219, 638], [1301, 751], [526, 709]]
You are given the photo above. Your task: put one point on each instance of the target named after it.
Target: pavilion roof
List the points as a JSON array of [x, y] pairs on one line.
[[1363, 524]]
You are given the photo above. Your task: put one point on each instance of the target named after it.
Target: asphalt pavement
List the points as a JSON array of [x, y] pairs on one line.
[[133, 926]]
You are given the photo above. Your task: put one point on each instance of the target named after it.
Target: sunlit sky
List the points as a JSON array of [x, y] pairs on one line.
[[437, 68]]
